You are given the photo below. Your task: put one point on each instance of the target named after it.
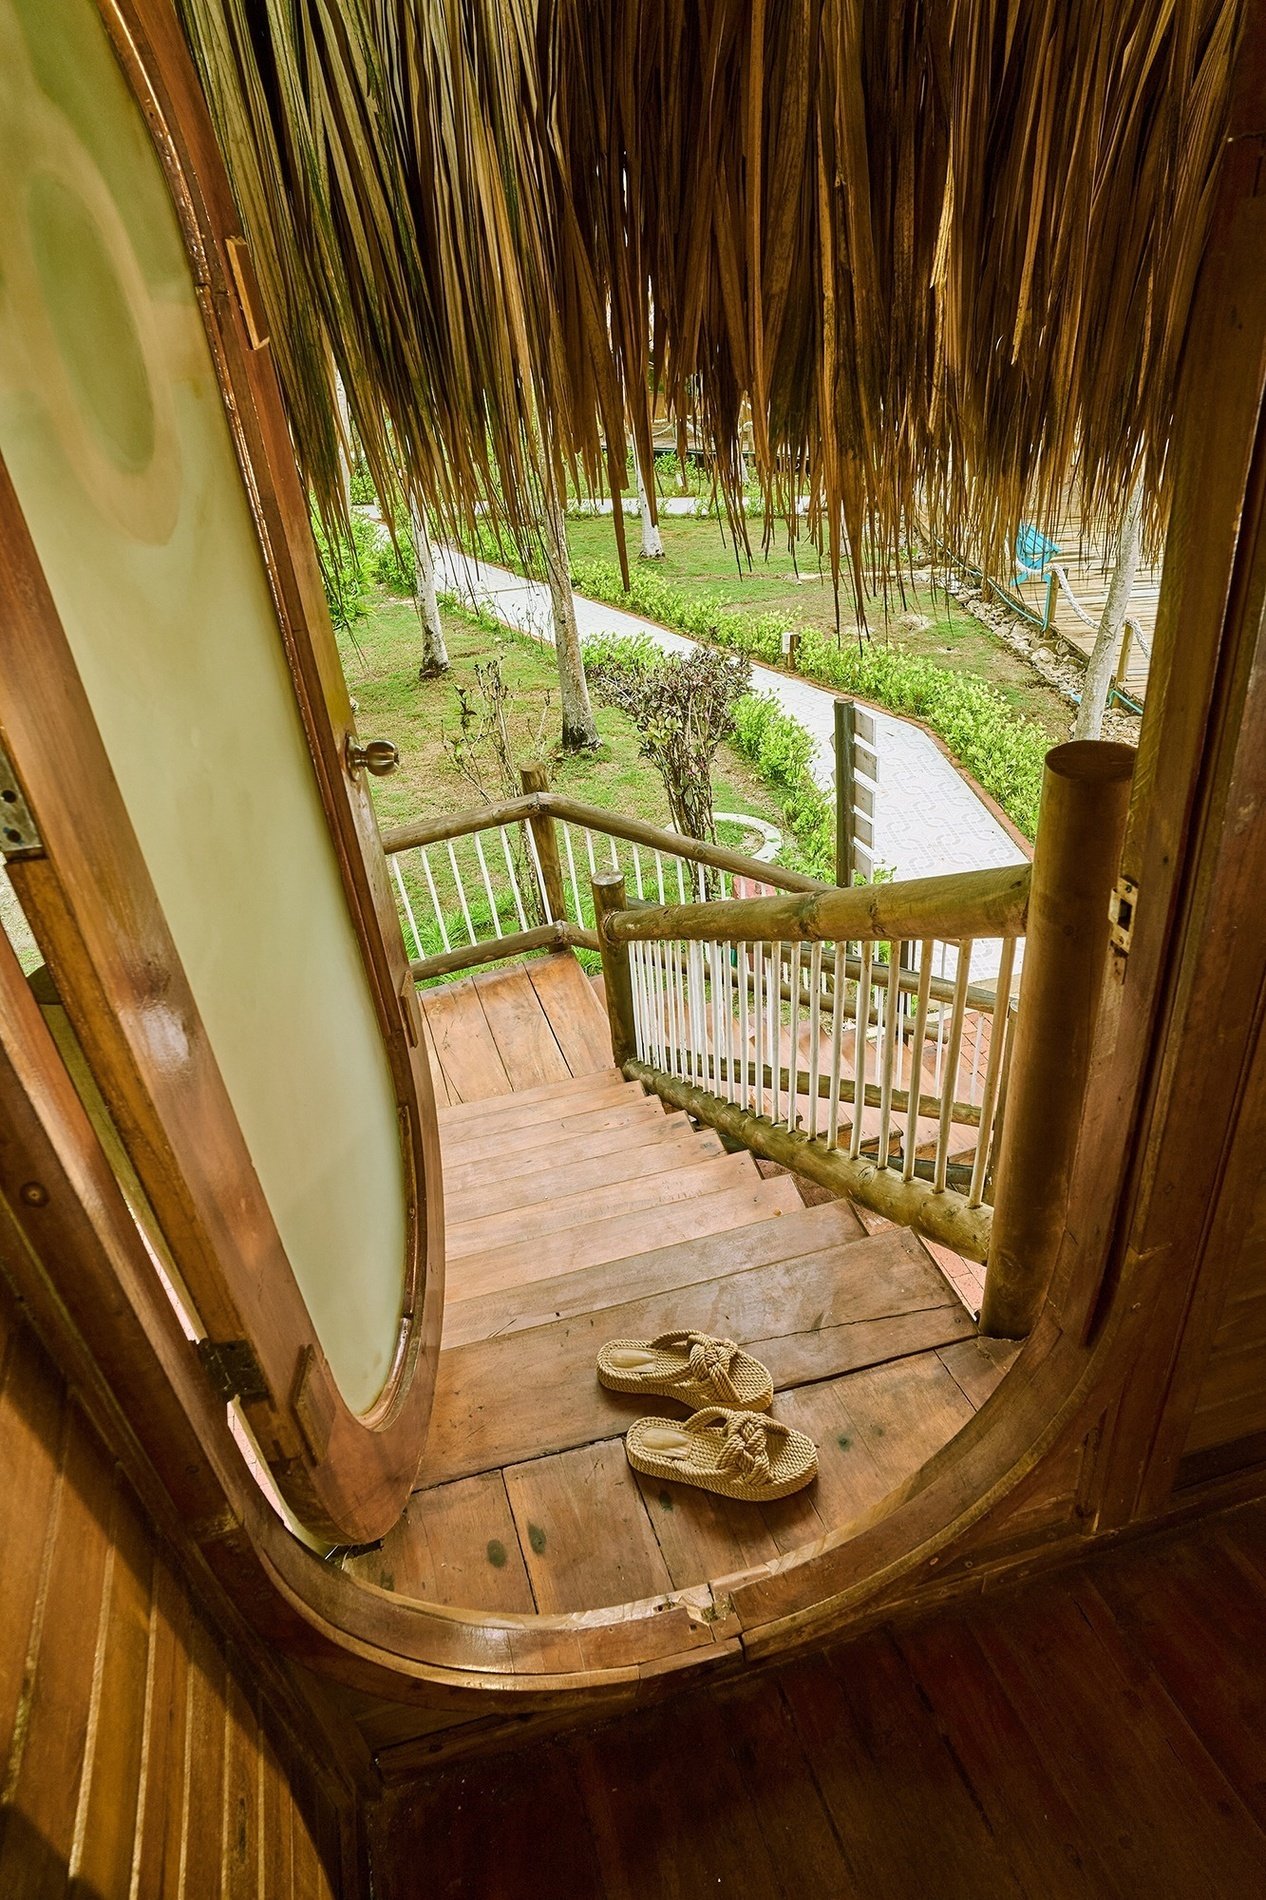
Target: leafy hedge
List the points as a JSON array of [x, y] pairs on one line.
[[775, 745], [1001, 749]]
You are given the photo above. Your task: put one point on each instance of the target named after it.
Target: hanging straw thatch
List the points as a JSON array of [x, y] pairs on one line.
[[944, 249]]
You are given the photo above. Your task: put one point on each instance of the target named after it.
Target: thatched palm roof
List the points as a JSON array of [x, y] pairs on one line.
[[944, 248]]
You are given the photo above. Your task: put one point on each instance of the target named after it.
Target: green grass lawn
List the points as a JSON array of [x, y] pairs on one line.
[[381, 662], [701, 553]]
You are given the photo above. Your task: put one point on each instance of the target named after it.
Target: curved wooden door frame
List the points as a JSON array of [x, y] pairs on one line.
[[90, 900]]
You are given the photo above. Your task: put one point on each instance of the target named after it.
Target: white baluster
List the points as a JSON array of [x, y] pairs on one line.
[[916, 1056], [487, 883], [949, 1080], [408, 908], [435, 902]]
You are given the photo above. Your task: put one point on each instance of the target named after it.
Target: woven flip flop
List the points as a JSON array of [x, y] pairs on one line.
[[692, 1367], [736, 1454]]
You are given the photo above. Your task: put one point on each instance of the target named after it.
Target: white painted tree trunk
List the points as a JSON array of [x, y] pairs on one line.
[[1098, 681], [434, 650], [580, 731], [652, 545], [346, 439]]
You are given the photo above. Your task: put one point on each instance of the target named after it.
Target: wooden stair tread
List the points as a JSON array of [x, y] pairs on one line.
[[611, 1282], [808, 1317], [619, 1236], [550, 1091], [633, 1112], [499, 1192], [702, 1177], [521, 1112], [465, 1168]]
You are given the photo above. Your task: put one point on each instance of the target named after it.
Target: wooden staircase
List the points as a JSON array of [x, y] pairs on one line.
[[579, 1210]]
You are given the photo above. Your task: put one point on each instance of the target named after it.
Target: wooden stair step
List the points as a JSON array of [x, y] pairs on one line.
[[495, 1191], [521, 1030], [807, 1317], [619, 1236], [578, 1145], [641, 1116], [832, 1224], [543, 1092], [710, 1176], [520, 1112]]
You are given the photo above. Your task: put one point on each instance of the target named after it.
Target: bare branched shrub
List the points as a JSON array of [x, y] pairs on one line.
[[683, 708], [486, 749], [489, 742]]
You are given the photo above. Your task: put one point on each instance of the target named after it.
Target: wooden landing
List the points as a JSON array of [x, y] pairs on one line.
[[1095, 1734], [578, 1211], [514, 1029]]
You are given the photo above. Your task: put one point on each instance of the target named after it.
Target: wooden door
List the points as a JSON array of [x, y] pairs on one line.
[[202, 868]]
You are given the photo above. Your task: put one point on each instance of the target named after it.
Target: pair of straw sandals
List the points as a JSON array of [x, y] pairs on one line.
[[728, 1445]]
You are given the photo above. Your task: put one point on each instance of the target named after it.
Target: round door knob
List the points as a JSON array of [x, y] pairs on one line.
[[377, 758]]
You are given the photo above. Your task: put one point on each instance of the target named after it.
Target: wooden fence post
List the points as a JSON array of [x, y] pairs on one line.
[[534, 778], [617, 976], [1085, 796], [844, 855]]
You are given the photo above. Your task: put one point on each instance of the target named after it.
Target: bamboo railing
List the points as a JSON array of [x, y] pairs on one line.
[[514, 876], [838, 1032]]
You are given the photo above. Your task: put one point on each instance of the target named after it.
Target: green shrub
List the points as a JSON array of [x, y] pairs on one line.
[[781, 751], [346, 564], [362, 484], [394, 566], [1001, 749]]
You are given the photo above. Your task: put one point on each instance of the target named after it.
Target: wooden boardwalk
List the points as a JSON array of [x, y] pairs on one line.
[[1086, 563], [577, 1211], [1097, 1735]]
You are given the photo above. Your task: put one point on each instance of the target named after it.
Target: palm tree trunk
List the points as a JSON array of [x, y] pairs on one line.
[[580, 731], [434, 650], [652, 545], [1098, 681]]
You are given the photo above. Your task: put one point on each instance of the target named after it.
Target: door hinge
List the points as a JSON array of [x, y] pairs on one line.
[[19, 834], [233, 1369], [1121, 907]]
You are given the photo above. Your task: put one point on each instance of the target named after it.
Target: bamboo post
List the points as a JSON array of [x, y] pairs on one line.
[[844, 719], [535, 779], [1085, 795], [617, 977]]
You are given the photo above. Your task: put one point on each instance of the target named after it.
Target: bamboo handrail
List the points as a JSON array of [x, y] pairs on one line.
[[956, 907], [537, 805]]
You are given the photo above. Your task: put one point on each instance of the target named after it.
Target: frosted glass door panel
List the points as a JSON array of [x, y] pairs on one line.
[[112, 428]]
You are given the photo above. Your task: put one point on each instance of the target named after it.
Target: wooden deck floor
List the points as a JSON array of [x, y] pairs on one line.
[[1088, 566], [1095, 1736], [578, 1211]]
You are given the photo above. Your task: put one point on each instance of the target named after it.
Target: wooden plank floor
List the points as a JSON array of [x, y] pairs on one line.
[[578, 1211], [1093, 1736], [514, 1029]]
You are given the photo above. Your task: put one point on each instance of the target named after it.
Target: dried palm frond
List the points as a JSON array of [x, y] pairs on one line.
[[942, 249]]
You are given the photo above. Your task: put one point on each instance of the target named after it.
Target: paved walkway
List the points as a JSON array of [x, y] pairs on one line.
[[928, 819]]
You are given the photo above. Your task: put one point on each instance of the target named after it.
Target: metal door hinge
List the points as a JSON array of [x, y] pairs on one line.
[[18, 832], [1121, 907], [233, 1369]]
